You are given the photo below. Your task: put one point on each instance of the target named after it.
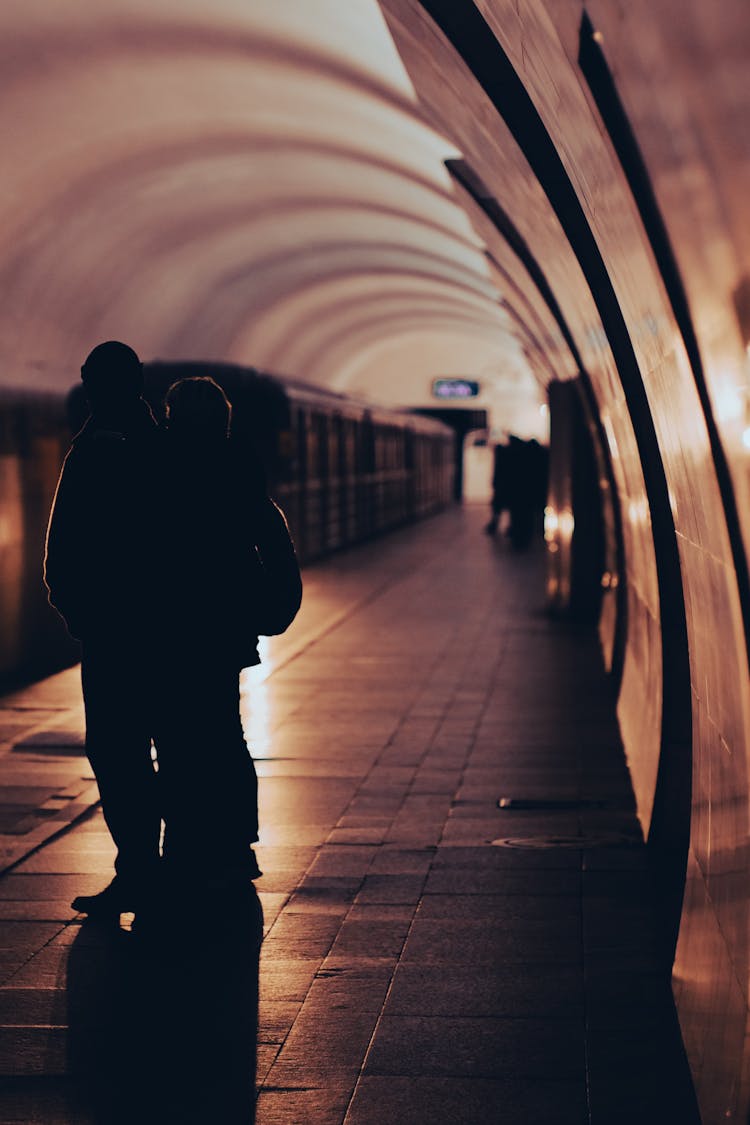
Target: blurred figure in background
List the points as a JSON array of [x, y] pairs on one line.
[[519, 486], [500, 487]]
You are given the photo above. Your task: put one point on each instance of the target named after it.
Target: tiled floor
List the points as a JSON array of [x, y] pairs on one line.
[[428, 957]]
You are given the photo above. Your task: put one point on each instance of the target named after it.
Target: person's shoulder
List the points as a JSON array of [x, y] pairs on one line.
[[93, 445]]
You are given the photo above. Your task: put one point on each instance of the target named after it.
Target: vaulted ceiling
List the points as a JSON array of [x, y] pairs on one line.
[[301, 186], [246, 181]]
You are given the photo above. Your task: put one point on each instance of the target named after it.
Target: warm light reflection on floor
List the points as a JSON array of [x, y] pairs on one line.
[[255, 707]]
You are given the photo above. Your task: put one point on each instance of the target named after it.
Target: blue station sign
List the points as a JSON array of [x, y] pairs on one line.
[[455, 388]]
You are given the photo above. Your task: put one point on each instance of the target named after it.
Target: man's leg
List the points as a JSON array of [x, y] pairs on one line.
[[118, 745]]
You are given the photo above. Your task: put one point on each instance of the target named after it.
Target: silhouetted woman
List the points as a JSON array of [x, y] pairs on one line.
[[215, 525]]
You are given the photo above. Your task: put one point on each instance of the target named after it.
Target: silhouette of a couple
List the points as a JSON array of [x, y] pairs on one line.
[[167, 559]]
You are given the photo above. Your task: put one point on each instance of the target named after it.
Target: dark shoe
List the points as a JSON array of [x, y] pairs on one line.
[[107, 905]]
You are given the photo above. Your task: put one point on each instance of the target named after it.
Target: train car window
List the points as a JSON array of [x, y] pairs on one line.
[[367, 445], [301, 429], [344, 446], [334, 444], [409, 449], [322, 426], [313, 444]]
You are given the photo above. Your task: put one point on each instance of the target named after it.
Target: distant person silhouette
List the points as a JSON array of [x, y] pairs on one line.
[[519, 486], [522, 491], [500, 487], [96, 571], [230, 574]]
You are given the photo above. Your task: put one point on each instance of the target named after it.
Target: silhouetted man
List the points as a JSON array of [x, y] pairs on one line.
[[96, 571]]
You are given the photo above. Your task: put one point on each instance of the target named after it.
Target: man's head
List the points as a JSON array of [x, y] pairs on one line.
[[112, 376], [197, 408]]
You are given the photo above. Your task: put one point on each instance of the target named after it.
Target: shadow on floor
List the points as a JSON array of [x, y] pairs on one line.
[[163, 1026]]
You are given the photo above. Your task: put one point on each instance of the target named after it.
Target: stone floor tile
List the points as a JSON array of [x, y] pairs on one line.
[[30, 935], [367, 912], [283, 834], [58, 862], [371, 938], [537, 881], [266, 1057], [543, 991], [481, 1047], [321, 1101], [295, 949], [381, 1100], [303, 901], [364, 834], [275, 1018], [342, 860], [327, 1039], [405, 833], [521, 859], [461, 943], [314, 928], [633, 858], [405, 889], [285, 979], [50, 887], [382, 720], [503, 909]]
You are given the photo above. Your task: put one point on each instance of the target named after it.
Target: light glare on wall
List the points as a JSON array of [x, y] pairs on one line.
[[730, 403]]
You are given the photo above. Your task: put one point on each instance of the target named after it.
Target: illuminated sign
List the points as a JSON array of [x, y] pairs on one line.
[[455, 388]]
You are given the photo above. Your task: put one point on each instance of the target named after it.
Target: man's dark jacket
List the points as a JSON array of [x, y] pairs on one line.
[[97, 554]]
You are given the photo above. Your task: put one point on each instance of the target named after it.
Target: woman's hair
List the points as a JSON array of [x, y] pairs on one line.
[[198, 406]]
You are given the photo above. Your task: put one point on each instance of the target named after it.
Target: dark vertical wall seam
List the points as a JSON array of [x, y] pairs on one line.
[[503, 223]]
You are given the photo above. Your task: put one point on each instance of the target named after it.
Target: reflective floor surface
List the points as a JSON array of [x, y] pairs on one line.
[[428, 956]]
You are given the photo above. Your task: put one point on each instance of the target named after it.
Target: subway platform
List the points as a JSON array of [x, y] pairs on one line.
[[427, 955]]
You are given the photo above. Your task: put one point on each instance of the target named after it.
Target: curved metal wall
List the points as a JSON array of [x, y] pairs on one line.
[[684, 729]]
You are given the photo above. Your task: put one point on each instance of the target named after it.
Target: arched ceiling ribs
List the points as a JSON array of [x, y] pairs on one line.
[[227, 311], [266, 281], [309, 327], [151, 162], [374, 333], [529, 338], [370, 324], [66, 46]]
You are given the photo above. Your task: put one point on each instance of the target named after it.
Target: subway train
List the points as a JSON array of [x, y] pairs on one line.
[[342, 470]]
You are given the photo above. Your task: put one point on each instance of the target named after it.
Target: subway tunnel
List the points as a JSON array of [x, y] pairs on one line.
[[359, 198]]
